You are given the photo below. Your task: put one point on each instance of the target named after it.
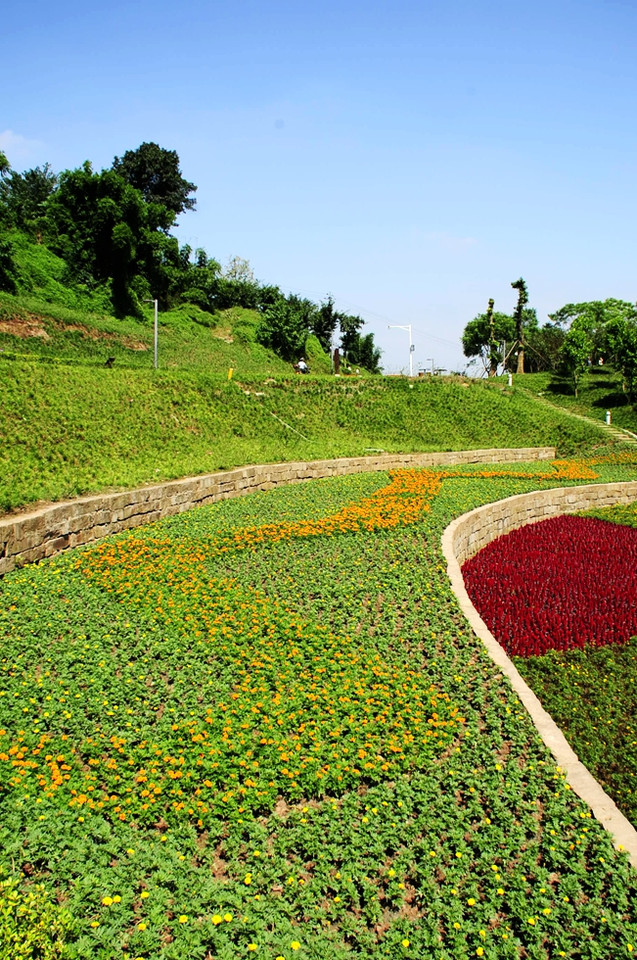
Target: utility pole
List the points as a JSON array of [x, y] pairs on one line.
[[407, 327]]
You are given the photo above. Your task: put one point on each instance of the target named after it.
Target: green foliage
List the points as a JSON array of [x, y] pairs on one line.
[[154, 171], [620, 337], [325, 321], [31, 926], [8, 268], [97, 223], [24, 197], [131, 640], [591, 315], [575, 354], [284, 327], [74, 428], [590, 694], [518, 316], [476, 338]]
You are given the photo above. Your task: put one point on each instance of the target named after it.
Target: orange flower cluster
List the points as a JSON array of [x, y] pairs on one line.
[[403, 501]]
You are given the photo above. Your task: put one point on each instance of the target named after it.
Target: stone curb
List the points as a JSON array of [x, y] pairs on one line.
[[46, 531], [465, 537]]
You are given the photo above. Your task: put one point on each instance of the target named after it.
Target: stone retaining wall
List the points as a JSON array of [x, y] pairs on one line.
[[476, 529], [45, 531]]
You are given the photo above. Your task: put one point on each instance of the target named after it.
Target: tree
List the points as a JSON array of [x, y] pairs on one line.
[[155, 172], [239, 270], [576, 354], [284, 328], [98, 224], [8, 269], [518, 316], [482, 332], [24, 197], [324, 323], [620, 334]]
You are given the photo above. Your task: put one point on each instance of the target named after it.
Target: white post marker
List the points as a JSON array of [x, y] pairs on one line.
[[407, 327], [608, 417]]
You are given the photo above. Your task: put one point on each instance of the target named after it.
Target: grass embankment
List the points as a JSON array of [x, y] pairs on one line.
[[248, 731], [68, 430], [592, 694], [600, 389]]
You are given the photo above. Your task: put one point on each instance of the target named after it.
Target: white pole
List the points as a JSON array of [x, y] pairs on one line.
[[407, 327]]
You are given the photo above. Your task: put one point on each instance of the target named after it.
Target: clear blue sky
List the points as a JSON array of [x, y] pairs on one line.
[[410, 158]]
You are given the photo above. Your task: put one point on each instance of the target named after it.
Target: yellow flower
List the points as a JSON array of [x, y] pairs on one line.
[[480, 951], [142, 926], [107, 901], [471, 902], [144, 894], [295, 945], [95, 923], [252, 946], [183, 918], [227, 917], [217, 919], [405, 942], [117, 899]]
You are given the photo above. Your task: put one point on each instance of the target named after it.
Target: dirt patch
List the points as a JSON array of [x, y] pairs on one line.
[[223, 333], [32, 325], [24, 327]]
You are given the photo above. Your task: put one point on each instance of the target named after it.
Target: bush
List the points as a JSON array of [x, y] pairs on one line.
[[31, 927]]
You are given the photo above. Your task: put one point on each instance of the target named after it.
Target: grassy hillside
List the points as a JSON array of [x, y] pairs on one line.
[[71, 425], [69, 429], [599, 390]]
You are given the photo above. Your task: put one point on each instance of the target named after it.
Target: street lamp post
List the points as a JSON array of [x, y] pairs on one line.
[[407, 327], [155, 302]]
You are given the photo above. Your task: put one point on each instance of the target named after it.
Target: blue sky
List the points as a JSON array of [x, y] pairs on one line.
[[411, 159]]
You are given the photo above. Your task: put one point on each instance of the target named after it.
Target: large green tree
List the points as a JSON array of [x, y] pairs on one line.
[[155, 172], [620, 336], [479, 335], [284, 328], [98, 224]]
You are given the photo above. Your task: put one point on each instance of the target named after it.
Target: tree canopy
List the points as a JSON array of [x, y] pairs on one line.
[[112, 230], [155, 172]]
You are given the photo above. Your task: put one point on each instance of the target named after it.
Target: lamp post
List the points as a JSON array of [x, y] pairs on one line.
[[155, 302], [433, 366], [407, 327]]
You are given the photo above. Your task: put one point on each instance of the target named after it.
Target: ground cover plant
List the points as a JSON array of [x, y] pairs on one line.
[[586, 674], [265, 729], [67, 430]]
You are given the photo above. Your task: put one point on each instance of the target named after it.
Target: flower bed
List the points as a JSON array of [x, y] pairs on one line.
[[264, 729], [566, 582]]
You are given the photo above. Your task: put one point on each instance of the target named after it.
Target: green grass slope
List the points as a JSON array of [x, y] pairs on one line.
[[599, 390], [71, 425], [69, 429]]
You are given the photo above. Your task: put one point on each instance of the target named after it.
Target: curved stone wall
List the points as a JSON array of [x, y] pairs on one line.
[[465, 537], [47, 530]]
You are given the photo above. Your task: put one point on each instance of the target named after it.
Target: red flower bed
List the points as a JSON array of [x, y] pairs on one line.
[[561, 583]]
